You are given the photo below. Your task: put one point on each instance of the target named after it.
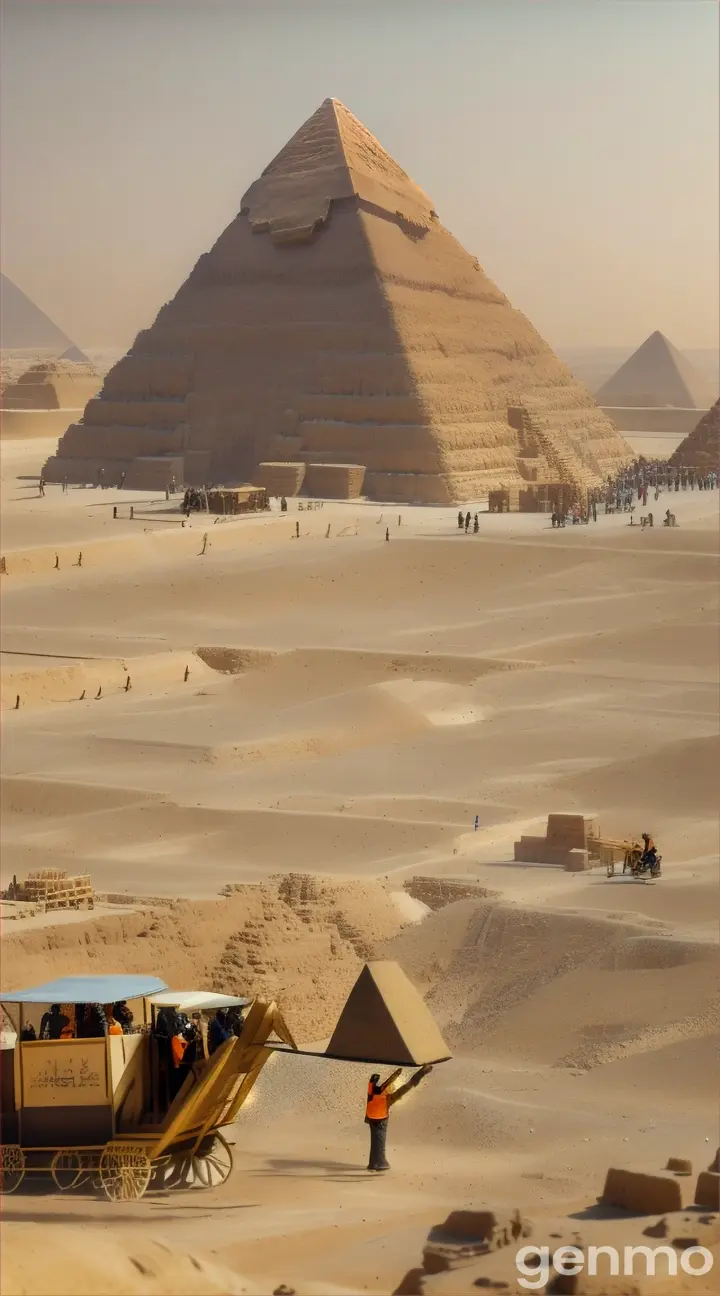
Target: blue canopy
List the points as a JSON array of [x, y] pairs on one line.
[[86, 989]]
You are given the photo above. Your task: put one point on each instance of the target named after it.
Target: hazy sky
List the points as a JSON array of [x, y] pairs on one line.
[[571, 145]]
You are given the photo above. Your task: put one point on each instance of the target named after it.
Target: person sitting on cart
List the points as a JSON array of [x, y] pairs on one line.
[[218, 1031], [53, 1023], [113, 1025], [648, 859], [122, 1014]]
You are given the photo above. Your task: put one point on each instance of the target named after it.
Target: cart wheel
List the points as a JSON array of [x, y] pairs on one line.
[[67, 1169], [209, 1167], [12, 1167], [212, 1167], [124, 1172]]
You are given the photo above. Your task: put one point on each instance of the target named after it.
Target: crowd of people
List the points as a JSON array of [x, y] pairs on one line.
[[184, 1040], [82, 1021]]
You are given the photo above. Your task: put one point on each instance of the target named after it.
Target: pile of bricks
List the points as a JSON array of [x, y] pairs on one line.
[[55, 889]]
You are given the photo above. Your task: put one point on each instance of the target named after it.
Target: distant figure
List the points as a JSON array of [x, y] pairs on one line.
[[122, 480], [477, 822], [476, 524], [461, 520], [53, 1023], [41, 485], [283, 505], [377, 1110], [468, 520], [64, 485]]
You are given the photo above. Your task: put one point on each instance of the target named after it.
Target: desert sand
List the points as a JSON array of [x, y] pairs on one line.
[[306, 799]]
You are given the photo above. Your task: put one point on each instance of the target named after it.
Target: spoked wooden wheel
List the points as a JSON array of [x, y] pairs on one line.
[[125, 1172], [12, 1167], [67, 1169], [212, 1166], [208, 1167]]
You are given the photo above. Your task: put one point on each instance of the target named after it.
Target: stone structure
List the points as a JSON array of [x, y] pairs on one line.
[[23, 326], [280, 478], [334, 481], [643, 1194], [47, 397], [336, 321], [565, 842], [701, 449], [657, 375]]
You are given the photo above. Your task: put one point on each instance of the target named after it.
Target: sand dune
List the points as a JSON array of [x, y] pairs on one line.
[[352, 706]]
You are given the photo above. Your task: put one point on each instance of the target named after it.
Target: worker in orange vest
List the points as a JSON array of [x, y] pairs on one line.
[[380, 1098]]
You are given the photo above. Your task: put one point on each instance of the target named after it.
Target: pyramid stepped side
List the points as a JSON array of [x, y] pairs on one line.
[[52, 385], [655, 376], [701, 449], [335, 321]]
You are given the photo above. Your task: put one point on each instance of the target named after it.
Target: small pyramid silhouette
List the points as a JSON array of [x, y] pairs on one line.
[[386, 1020], [74, 354], [655, 376], [701, 447], [335, 321], [23, 326]]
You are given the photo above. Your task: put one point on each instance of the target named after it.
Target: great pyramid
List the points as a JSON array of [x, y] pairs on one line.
[[23, 326], [701, 449], [336, 321], [657, 375]]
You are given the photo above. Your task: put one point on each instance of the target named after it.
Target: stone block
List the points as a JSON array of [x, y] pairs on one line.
[[642, 1194], [577, 861], [571, 831], [707, 1189]]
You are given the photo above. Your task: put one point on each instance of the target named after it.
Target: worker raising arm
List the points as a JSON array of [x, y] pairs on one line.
[[380, 1098]]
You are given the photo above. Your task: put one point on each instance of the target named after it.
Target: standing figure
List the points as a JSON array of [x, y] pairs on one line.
[[380, 1098]]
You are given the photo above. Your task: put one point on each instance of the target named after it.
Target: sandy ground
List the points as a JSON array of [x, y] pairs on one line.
[[351, 706]]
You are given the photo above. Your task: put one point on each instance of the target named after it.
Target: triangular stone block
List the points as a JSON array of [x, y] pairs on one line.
[[336, 321], [386, 1020], [657, 375]]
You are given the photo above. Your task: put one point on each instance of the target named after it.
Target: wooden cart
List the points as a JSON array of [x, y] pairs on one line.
[[80, 1109]]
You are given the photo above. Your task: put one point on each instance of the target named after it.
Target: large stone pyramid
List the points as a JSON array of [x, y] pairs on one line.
[[23, 326], [655, 376], [337, 322], [701, 449]]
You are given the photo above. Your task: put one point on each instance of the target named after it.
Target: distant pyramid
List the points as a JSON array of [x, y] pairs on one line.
[[655, 376], [701, 449], [23, 326], [75, 355], [336, 321]]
